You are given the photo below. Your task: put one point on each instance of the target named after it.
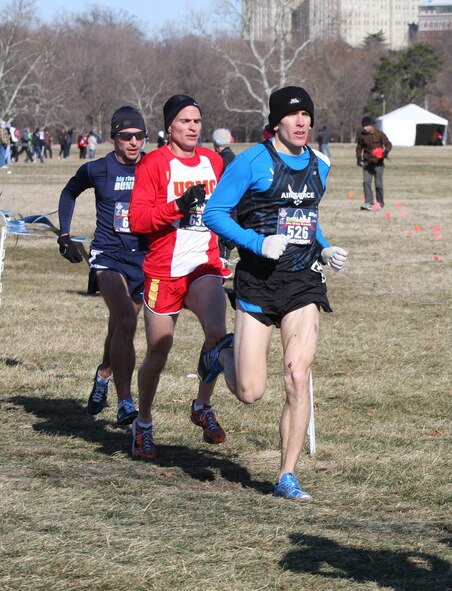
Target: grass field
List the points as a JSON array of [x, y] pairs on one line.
[[78, 514]]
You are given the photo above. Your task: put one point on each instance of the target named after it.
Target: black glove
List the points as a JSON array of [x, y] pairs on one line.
[[195, 195], [359, 161], [69, 250]]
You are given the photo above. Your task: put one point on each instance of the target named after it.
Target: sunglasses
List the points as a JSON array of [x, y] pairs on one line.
[[126, 136]]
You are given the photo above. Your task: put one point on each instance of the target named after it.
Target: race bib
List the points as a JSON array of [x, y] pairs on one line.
[[299, 225], [192, 220], [121, 219]]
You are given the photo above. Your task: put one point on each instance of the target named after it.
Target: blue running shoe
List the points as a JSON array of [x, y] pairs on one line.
[[97, 400], [289, 488], [126, 412], [209, 367]]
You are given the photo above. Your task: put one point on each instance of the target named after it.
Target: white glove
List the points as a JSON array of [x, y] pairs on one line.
[[274, 246], [334, 256]]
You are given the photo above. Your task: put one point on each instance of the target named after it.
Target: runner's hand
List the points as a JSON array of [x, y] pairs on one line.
[[69, 250], [195, 195], [334, 256], [274, 246]]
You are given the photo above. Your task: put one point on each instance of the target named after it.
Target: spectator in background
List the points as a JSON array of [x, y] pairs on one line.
[[92, 145], [68, 142], [222, 140], [162, 139], [37, 142], [438, 137], [372, 147], [25, 145], [83, 145], [62, 141], [47, 143], [96, 134], [324, 139], [4, 144], [8, 147], [13, 134]]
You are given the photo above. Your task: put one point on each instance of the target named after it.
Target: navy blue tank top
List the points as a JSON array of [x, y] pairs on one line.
[[289, 206]]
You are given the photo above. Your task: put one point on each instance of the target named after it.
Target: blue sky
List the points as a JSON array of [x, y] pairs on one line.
[[150, 13]]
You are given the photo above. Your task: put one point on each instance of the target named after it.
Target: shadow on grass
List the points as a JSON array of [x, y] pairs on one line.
[[399, 571], [66, 417]]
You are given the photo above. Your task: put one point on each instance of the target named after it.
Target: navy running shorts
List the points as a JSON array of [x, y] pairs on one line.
[[126, 262]]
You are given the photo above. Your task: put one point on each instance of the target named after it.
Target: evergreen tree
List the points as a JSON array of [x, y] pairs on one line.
[[403, 77]]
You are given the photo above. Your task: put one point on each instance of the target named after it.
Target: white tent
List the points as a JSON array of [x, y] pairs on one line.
[[411, 126]]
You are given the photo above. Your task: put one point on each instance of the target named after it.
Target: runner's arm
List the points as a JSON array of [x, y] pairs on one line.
[[146, 214], [233, 185], [76, 185], [324, 169]]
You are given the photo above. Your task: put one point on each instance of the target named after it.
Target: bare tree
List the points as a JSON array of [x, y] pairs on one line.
[[261, 60], [23, 56], [149, 79], [94, 62], [340, 78]]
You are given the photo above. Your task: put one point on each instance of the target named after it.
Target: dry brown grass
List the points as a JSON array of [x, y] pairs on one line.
[[78, 514]]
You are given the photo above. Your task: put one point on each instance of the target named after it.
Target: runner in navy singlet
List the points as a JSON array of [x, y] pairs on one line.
[[116, 255]]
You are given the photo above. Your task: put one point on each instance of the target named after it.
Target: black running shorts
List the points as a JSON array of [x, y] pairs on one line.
[[269, 300]]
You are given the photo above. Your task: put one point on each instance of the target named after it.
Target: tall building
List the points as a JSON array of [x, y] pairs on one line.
[[267, 19], [359, 19], [435, 15], [350, 20]]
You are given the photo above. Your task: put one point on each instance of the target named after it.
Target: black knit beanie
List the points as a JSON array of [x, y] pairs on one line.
[[288, 100], [367, 121], [174, 105], [126, 118]]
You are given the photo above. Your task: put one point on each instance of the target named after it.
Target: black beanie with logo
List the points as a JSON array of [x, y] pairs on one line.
[[288, 100], [126, 118], [174, 105]]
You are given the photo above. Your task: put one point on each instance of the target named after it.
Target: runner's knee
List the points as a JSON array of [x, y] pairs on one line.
[[126, 324], [249, 394], [296, 382]]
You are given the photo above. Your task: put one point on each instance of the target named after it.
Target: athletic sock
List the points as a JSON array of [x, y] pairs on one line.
[[102, 380], [197, 406], [144, 425]]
